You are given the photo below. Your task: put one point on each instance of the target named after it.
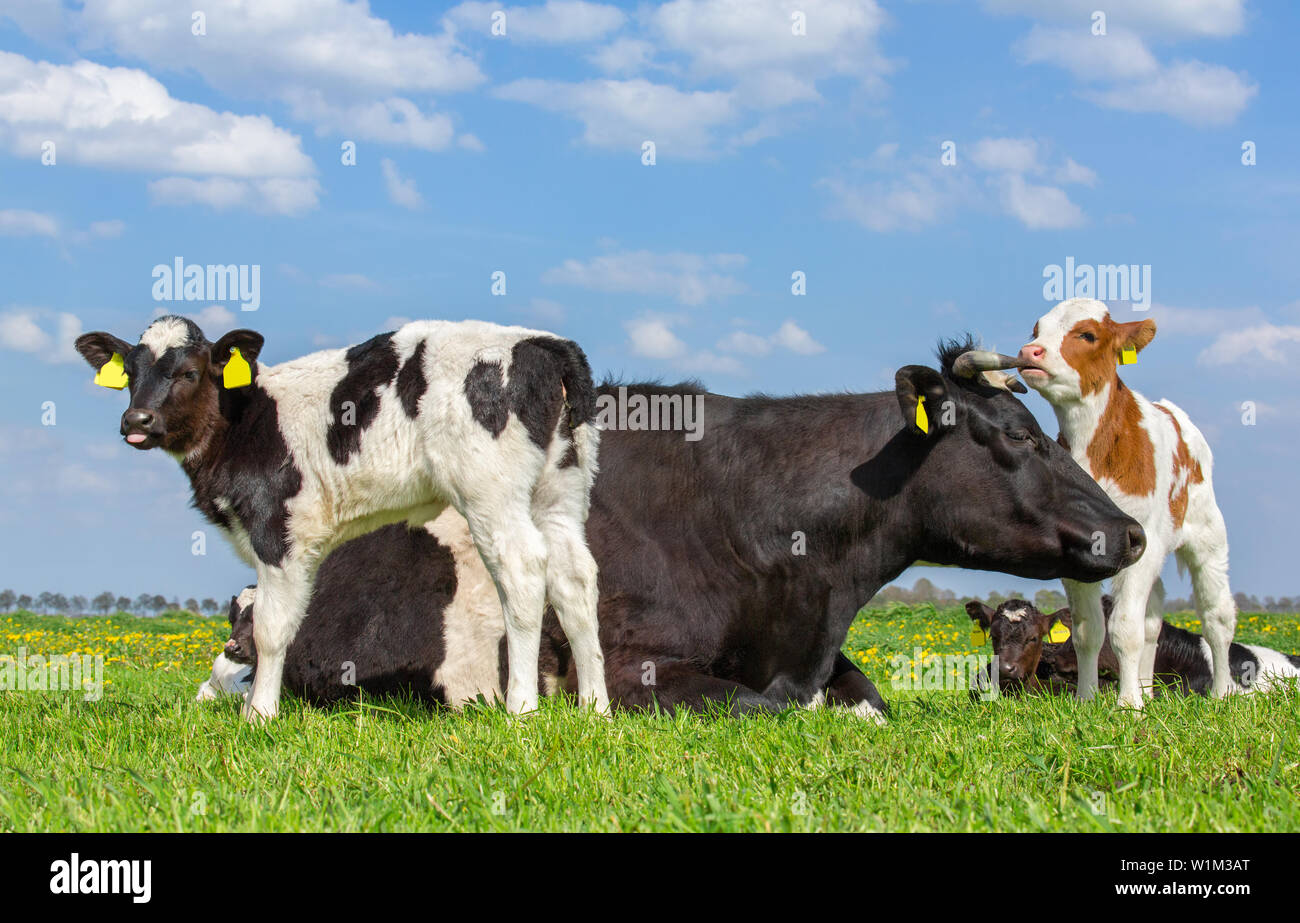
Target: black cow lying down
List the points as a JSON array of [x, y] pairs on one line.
[[1027, 661], [732, 565]]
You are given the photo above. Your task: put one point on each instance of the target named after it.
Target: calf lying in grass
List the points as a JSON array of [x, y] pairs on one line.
[[400, 610], [1028, 660]]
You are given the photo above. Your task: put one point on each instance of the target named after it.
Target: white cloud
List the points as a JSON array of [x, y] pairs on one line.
[[553, 22], [788, 336], [1204, 322], [334, 63], [1264, 342], [1172, 18], [754, 45], [622, 114], [1197, 93], [689, 278], [730, 68], [282, 196], [1039, 207], [908, 202], [26, 330], [1018, 155], [1119, 54], [16, 222], [794, 338], [653, 338], [1071, 172], [1119, 71], [122, 118], [623, 57], [401, 191]]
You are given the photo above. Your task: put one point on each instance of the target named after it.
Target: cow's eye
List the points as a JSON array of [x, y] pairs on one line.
[[192, 375], [1022, 436], [1088, 337]]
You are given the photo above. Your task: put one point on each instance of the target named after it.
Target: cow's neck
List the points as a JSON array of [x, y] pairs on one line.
[[1081, 419], [855, 541]]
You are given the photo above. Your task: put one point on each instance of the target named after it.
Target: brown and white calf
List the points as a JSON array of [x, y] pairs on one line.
[[1027, 660], [1155, 464], [496, 422]]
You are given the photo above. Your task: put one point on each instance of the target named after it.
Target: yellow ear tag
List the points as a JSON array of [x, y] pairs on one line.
[[237, 372], [1059, 634], [112, 374], [977, 634], [922, 421], [1128, 355]]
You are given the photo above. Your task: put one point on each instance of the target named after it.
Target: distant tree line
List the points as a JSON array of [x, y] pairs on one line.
[[105, 603], [923, 591]]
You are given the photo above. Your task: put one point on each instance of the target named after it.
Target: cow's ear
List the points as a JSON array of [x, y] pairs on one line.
[[980, 613], [1137, 334], [97, 348], [922, 398], [248, 342], [1063, 616]]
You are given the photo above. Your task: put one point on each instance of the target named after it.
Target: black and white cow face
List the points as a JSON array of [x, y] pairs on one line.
[[240, 647], [175, 378], [1016, 629], [1005, 496]]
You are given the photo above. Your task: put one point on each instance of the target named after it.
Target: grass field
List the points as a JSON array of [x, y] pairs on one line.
[[148, 757]]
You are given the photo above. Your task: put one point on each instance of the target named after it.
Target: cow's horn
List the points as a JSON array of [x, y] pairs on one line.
[[973, 361]]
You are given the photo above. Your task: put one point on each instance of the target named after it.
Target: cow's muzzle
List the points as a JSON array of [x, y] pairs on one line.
[[142, 429]]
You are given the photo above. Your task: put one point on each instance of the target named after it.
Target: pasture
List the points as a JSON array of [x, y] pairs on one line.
[[148, 757]]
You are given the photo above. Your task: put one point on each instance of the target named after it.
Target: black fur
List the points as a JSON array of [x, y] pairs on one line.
[[411, 383], [486, 393], [248, 466], [371, 365]]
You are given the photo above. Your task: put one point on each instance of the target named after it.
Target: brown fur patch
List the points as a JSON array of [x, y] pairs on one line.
[[1183, 464], [1095, 360], [1121, 447]]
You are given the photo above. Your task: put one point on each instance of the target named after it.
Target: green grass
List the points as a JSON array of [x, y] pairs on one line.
[[147, 757]]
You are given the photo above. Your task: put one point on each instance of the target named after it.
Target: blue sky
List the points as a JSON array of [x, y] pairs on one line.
[[522, 153]]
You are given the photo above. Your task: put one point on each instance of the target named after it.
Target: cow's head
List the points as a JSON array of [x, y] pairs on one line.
[[1016, 629], [995, 492], [1076, 348], [240, 647], [175, 378]]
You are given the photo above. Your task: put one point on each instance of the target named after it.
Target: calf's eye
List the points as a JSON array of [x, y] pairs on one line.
[[1089, 337]]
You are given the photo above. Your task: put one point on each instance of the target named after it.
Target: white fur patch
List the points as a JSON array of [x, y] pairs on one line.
[[164, 334], [228, 678]]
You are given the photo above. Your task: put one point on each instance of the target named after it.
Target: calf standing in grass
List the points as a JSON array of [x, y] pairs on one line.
[[291, 460], [1156, 466]]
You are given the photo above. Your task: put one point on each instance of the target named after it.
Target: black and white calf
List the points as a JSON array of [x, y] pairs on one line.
[[398, 610], [292, 460]]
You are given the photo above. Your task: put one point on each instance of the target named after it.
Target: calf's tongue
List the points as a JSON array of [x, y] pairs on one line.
[[136, 438]]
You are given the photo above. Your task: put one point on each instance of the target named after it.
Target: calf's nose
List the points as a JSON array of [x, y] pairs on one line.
[[1031, 353], [142, 419]]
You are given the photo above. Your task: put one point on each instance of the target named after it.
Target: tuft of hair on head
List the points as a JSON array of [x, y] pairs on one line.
[[948, 350]]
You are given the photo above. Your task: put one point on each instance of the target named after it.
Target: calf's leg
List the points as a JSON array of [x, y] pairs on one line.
[[1088, 633], [1207, 559], [1131, 589], [514, 552], [282, 596]]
